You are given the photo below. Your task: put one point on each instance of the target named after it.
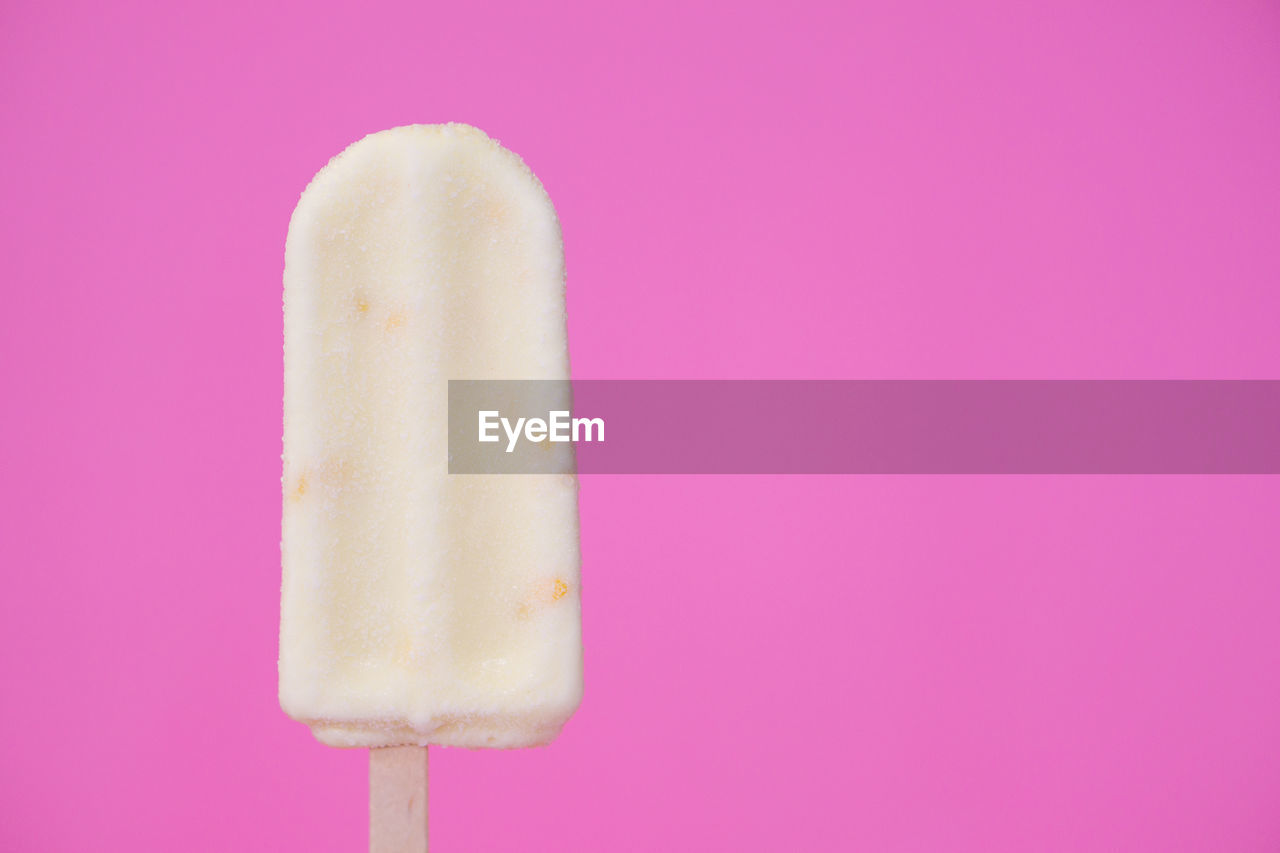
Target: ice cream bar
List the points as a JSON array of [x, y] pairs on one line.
[[420, 607]]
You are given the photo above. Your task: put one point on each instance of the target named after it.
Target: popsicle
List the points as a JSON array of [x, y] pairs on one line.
[[420, 607]]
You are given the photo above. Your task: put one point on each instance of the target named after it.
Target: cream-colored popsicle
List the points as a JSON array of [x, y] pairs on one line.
[[420, 607]]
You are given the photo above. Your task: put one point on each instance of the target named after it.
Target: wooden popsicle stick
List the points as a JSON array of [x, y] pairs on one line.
[[398, 799]]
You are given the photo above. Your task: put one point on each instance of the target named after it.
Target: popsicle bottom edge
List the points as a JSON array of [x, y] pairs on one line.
[[494, 731]]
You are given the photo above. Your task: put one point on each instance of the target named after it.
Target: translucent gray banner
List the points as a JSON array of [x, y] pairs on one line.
[[865, 427]]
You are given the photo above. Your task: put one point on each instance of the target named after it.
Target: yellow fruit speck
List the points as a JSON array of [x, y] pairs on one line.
[[497, 210], [404, 649], [395, 321], [362, 305], [300, 489], [560, 591]]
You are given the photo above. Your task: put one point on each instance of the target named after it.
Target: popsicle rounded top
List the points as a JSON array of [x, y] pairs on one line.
[[420, 607]]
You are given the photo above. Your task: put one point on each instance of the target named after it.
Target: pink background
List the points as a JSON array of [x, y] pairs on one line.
[[948, 190]]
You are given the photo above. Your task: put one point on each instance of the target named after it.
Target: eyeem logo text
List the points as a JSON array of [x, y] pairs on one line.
[[558, 427]]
